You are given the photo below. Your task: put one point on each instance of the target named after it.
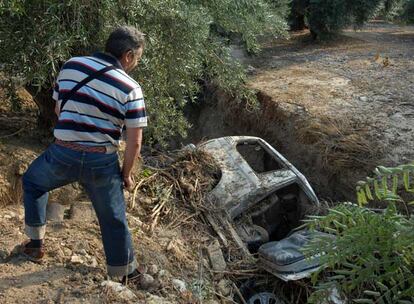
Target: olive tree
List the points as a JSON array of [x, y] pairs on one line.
[[324, 17], [187, 42]]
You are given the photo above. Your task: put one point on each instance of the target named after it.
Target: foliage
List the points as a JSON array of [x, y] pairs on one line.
[[325, 17], [371, 258], [186, 41], [386, 183], [401, 11], [407, 12]]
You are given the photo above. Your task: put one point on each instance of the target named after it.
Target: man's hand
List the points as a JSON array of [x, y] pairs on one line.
[[129, 183]]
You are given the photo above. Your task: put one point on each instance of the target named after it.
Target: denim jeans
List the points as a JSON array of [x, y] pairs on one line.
[[100, 175]]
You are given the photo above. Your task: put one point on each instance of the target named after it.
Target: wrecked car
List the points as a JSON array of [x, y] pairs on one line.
[[264, 198]]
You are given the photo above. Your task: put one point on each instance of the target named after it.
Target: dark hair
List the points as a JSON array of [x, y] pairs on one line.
[[122, 39]]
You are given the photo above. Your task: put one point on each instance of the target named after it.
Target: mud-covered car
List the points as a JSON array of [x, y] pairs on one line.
[[264, 198]]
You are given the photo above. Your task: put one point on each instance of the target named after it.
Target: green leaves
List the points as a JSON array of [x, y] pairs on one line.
[[381, 184], [187, 41], [329, 16], [371, 257]]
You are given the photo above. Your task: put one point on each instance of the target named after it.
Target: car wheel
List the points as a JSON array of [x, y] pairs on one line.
[[264, 298]]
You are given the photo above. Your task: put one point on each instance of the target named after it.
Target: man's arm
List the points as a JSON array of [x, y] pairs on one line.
[[57, 109], [132, 152]]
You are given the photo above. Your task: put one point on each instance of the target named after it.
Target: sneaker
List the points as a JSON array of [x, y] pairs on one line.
[[131, 277], [32, 254], [140, 280]]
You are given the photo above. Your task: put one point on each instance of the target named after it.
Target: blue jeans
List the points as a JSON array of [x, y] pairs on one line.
[[100, 175]]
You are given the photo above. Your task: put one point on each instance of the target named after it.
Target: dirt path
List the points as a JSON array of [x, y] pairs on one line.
[[336, 110]]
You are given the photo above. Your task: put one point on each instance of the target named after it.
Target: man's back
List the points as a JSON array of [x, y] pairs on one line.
[[96, 113]]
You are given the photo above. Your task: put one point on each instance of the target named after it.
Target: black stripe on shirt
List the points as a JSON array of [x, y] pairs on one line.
[[93, 89], [86, 99]]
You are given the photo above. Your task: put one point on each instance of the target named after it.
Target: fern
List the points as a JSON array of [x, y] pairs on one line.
[[371, 258], [386, 184]]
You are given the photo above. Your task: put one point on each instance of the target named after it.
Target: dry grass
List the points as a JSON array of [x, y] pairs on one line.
[[11, 192], [343, 143]]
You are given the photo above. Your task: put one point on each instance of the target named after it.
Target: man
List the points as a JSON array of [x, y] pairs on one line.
[[95, 100]]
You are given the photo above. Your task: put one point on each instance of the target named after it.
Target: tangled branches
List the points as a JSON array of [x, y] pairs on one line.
[[173, 187]]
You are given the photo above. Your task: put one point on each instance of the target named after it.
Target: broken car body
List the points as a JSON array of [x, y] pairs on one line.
[[265, 198]]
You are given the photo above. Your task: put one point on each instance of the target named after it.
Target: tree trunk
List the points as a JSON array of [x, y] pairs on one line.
[[298, 22], [43, 99], [314, 35]]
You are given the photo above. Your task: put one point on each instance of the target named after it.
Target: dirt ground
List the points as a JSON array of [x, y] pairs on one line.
[[334, 109]]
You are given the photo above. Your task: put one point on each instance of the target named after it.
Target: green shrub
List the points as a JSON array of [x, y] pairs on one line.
[[187, 42], [371, 258]]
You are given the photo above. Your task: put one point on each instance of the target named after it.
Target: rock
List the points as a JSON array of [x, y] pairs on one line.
[[142, 268], [83, 252], [67, 251], [55, 212], [93, 262], [76, 259], [216, 256], [120, 290], [163, 273], [12, 214], [152, 299], [180, 285], [224, 287], [152, 269], [146, 281], [82, 212], [363, 98], [145, 200]]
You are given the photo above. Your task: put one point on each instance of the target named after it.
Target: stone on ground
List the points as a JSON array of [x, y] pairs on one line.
[[55, 212], [82, 212], [216, 256]]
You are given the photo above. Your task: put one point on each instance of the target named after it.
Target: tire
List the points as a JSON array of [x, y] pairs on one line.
[[265, 298]]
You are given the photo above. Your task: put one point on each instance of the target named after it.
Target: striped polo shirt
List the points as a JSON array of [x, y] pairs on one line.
[[96, 113]]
